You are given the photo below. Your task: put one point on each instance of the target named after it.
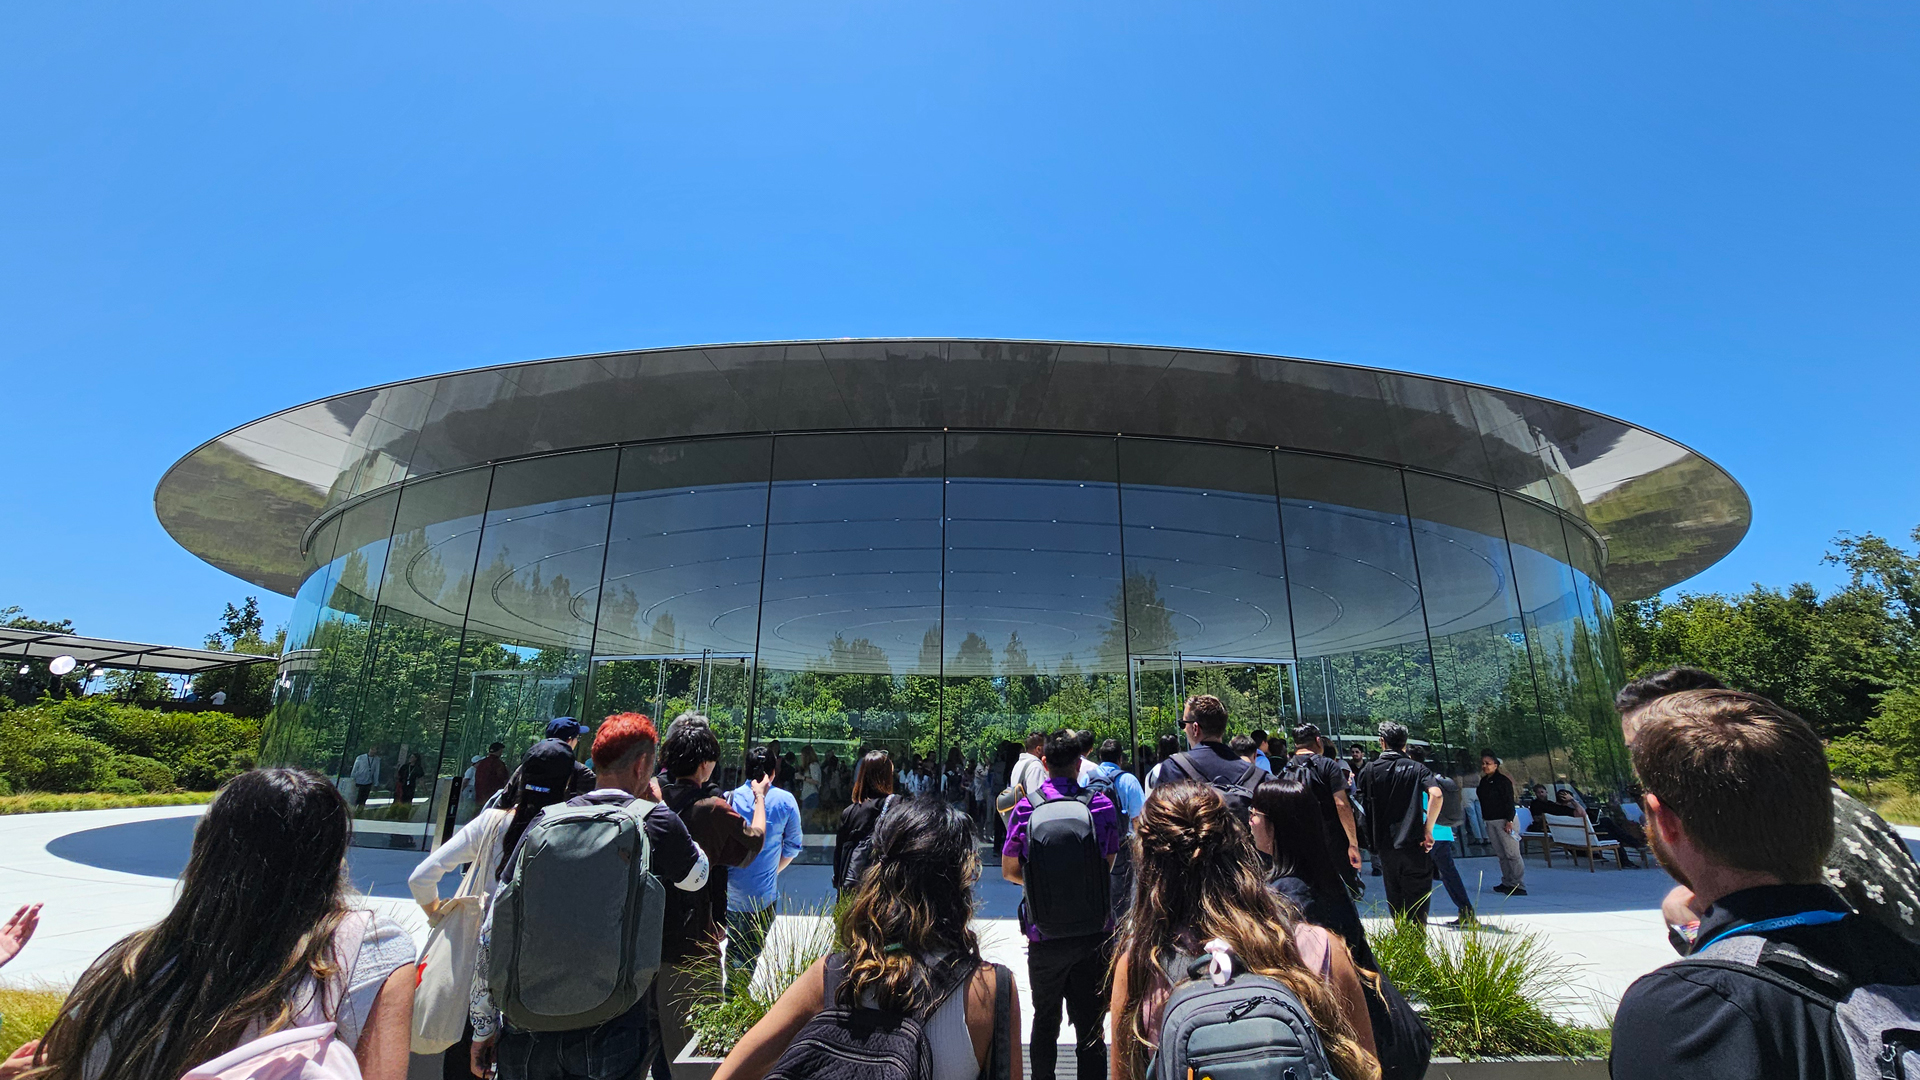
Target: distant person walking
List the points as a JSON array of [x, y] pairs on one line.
[[1497, 808], [365, 775], [489, 774], [1391, 787], [1329, 781]]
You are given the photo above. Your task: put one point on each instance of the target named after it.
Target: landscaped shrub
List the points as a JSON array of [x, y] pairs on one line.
[[1486, 994], [38, 755], [82, 744], [120, 785], [146, 773]]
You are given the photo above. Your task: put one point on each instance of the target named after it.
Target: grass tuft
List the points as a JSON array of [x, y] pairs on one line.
[[1488, 994], [721, 1020], [43, 803], [25, 1015]]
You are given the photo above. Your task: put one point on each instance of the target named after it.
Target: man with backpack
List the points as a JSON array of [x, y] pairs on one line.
[[1328, 779], [1208, 760], [1782, 979], [1060, 848], [689, 956], [574, 989], [1400, 835]]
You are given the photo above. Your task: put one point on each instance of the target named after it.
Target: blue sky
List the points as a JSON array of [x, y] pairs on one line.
[[1699, 217]]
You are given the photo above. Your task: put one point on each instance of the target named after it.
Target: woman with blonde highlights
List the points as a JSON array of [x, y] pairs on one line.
[[1197, 878], [904, 931]]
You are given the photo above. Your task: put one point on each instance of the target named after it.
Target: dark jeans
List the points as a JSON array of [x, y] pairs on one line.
[[1073, 971], [616, 1050], [746, 936], [1407, 875], [1450, 876]]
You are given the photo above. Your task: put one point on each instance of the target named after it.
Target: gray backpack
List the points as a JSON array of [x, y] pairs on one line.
[[581, 873], [1879, 1024], [1249, 1027]]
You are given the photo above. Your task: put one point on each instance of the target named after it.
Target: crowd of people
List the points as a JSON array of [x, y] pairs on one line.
[[1201, 913]]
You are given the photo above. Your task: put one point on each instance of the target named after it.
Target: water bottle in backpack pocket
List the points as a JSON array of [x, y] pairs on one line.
[[581, 872], [1225, 1023]]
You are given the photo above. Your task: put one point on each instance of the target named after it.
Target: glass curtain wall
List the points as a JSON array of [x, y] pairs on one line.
[[1354, 583], [1035, 626], [936, 595], [849, 631], [1206, 585]]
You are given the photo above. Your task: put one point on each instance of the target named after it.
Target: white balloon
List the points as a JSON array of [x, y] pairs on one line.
[[60, 665]]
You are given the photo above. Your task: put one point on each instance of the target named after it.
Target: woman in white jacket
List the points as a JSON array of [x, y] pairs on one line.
[[488, 840]]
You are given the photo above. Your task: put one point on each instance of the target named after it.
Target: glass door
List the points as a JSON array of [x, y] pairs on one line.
[[665, 686], [1258, 693]]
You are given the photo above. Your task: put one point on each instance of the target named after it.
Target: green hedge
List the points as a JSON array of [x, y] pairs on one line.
[[95, 744]]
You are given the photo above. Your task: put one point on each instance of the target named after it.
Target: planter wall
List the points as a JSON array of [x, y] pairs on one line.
[[1532, 1068]]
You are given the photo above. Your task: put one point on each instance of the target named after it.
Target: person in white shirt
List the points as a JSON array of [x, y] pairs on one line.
[[1029, 772]]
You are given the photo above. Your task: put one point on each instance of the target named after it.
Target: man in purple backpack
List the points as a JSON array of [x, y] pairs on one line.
[[1061, 842]]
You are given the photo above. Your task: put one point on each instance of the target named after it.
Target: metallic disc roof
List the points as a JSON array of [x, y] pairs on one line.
[[245, 500]]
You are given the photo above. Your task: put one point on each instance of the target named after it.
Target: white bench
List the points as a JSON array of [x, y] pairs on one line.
[[1575, 835]]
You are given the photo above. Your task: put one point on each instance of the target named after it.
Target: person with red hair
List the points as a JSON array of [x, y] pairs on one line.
[[624, 751]]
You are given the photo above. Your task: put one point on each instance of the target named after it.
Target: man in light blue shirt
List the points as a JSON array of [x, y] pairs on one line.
[[753, 891], [1260, 757], [1127, 793]]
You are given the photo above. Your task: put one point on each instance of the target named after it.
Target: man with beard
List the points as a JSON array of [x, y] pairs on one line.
[[1868, 863], [1779, 982]]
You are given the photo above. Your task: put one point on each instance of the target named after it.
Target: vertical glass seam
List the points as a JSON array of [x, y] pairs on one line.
[[760, 606], [1426, 625]]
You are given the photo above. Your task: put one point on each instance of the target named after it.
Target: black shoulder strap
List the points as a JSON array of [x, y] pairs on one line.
[[1000, 1048], [1762, 973], [1251, 778], [950, 976], [1185, 764]]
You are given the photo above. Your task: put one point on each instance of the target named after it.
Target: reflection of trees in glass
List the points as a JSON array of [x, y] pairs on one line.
[[1141, 623]]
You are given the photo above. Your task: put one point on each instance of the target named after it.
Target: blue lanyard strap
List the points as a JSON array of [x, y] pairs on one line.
[[1805, 918]]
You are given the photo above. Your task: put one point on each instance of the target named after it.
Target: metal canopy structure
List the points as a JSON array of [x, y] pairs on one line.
[[130, 655]]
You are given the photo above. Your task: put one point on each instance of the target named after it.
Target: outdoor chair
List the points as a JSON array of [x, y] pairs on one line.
[[1575, 835]]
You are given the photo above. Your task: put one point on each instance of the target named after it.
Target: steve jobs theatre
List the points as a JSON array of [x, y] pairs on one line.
[[931, 547]]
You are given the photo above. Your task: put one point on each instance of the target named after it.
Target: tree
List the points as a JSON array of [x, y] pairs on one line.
[[25, 687], [249, 687], [1857, 758]]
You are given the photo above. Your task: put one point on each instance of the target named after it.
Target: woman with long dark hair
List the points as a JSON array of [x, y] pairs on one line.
[[1196, 879], [872, 788], [263, 938], [1289, 829], [905, 937]]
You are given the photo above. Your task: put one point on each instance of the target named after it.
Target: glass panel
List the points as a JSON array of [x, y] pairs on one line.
[[535, 597], [415, 651], [1355, 590], [683, 567], [849, 653], [339, 646], [1206, 577], [293, 692], [717, 687], [1604, 673], [1258, 696], [1551, 607], [1479, 641], [1035, 606]]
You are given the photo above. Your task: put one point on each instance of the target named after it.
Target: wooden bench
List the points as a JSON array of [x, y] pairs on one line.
[[1576, 835]]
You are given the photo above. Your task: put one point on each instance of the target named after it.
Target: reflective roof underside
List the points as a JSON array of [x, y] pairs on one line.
[[245, 500]]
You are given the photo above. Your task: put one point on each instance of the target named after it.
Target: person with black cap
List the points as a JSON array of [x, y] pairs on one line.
[[566, 730]]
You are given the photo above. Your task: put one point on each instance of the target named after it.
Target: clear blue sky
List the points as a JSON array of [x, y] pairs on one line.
[[1702, 218]]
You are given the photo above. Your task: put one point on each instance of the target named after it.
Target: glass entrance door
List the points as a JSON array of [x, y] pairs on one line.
[[1258, 693], [665, 686]]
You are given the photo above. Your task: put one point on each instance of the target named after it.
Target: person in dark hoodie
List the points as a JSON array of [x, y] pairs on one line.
[[695, 920]]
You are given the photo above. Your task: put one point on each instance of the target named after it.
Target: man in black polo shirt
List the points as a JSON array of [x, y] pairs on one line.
[[1390, 788], [1776, 945], [1328, 778], [1207, 758]]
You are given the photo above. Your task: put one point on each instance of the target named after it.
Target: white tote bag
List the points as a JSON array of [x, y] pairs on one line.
[[446, 967]]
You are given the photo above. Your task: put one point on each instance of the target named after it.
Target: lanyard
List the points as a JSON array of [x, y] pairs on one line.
[[1805, 918]]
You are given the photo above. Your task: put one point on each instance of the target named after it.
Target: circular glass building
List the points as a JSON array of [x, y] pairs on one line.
[[934, 546]]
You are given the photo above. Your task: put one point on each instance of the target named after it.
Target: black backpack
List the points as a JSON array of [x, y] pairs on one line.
[[1066, 875], [857, 1043], [1238, 794], [1401, 1039]]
